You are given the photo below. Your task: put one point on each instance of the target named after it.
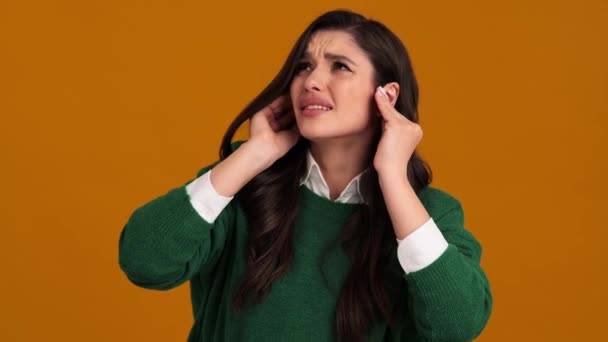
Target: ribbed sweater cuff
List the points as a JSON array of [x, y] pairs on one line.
[[177, 222], [436, 282]]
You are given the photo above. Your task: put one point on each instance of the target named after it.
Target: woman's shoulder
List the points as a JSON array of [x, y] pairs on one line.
[[436, 200]]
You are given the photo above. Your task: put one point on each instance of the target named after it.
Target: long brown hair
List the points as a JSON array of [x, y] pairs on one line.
[[270, 200]]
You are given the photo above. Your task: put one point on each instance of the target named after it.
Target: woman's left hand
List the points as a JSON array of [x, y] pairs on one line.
[[400, 137]]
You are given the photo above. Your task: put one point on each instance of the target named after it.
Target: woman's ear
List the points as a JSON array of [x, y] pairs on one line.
[[392, 90]]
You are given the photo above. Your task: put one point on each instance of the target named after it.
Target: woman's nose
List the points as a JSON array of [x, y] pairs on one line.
[[315, 81]]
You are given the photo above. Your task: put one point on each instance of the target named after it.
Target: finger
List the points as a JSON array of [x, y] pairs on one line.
[[285, 120], [274, 125], [290, 136], [279, 104], [269, 113], [286, 110], [280, 123], [387, 110]]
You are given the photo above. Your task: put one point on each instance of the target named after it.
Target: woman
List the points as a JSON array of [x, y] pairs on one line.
[[290, 236]]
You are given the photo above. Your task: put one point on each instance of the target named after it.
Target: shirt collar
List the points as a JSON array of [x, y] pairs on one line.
[[313, 179]]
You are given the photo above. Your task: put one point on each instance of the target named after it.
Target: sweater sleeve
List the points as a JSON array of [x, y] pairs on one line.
[[450, 300], [166, 242]]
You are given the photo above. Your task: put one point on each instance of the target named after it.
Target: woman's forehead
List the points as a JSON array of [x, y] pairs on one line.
[[332, 42]]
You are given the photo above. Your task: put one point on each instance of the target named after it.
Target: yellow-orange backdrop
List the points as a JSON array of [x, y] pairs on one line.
[[108, 104]]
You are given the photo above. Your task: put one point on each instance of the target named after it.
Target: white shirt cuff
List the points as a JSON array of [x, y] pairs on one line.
[[421, 248], [205, 200]]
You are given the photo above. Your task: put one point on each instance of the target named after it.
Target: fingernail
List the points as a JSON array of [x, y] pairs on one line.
[[382, 91]]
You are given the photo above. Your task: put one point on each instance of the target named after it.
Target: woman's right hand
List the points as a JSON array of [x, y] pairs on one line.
[[273, 129]]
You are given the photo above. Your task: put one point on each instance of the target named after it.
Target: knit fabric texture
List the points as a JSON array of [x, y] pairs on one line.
[[166, 243]]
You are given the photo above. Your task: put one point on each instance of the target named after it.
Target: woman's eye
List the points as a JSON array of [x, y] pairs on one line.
[[303, 66], [341, 66]]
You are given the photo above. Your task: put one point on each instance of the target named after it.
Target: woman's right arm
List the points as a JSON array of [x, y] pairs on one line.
[[173, 237]]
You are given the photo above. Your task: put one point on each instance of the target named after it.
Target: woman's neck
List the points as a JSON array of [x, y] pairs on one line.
[[340, 162]]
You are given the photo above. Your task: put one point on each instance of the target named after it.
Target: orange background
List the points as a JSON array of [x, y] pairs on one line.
[[107, 104]]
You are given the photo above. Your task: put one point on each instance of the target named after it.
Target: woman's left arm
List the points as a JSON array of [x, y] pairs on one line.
[[450, 297]]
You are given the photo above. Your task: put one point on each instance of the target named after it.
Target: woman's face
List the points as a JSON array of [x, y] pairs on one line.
[[333, 88]]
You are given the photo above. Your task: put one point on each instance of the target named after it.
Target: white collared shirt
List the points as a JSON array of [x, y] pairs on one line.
[[313, 179], [416, 251]]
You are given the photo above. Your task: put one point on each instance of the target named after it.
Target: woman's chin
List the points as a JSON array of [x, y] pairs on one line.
[[321, 136], [313, 135]]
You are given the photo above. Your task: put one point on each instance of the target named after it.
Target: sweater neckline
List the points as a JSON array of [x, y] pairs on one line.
[[324, 206]]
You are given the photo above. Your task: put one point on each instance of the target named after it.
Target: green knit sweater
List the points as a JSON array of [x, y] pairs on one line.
[[166, 243]]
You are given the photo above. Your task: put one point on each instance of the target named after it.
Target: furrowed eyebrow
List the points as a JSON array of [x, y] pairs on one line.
[[332, 57], [335, 57]]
